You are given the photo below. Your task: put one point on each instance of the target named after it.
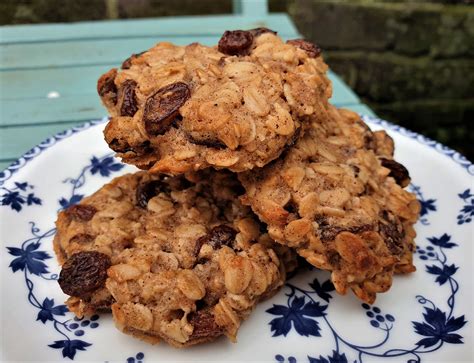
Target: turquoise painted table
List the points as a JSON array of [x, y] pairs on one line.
[[48, 72]]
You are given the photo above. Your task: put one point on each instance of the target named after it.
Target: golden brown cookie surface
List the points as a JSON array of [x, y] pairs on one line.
[[176, 259], [235, 106], [334, 197]]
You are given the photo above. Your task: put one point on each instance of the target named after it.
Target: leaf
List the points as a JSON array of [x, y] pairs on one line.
[[428, 342], [454, 324], [468, 209], [76, 198], [453, 339], [314, 309], [44, 316], [280, 326], [278, 310], [466, 194], [335, 358], [443, 274], [434, 270], [104, 167], [438, 328], [70, 347], [14, 200], [29, 258], [306, 327], [15, 251], [297, 314], [48, 303], [424, 329], [443, 241], [427, 206], [322, 290], [297, 303], [21, 186], [31, 199], [321, 359]]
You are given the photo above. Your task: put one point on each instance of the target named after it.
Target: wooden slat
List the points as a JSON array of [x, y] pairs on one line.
[[250, 7], [18, 140], [38, 83], [341, 93], [5, 163], [51, 110], [176, 26], [361, 108]]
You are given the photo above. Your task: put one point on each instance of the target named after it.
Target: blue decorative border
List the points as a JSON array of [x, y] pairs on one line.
[[32, 261], [306, 309], [34, 152]]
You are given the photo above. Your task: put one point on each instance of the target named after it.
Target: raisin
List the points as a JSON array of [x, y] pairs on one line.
[[204, 324], [122, 146], [83, 273], [162, 107], [259, 31], [106, 85], [220, 235], [81, 238], [127, 63], [236, 42], [397, 171], [392, 232], [129, 99], [81, 212], [148, 190], [312, 49], [329, 233], [334, 258]]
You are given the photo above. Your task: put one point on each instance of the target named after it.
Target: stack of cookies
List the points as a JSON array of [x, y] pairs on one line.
[[245, 166]]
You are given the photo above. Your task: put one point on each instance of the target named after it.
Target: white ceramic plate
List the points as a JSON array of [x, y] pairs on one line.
[[426, 316]]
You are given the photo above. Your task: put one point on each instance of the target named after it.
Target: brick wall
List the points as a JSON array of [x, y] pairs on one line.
[[411, 61]]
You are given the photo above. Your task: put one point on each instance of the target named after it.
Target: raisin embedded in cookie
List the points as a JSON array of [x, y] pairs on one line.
[[236, 106], [174, 258], [337, 197]]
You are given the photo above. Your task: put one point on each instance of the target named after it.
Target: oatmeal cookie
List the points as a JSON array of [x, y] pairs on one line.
[[174, 258], [237, 105], [337, 197]]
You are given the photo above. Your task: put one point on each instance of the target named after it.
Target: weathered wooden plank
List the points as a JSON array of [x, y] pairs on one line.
[[360, 108], [22, 84], [176, 26], [76, 108], [250, 7], [5, 163], [341, 93], [18, 140]]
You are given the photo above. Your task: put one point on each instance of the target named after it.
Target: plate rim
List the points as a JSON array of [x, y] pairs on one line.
[[35, 151]]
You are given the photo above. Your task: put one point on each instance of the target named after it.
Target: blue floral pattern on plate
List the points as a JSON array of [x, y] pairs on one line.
[[306, 311], [437, 326], [31, 261], [467, 212], [16, 197]]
